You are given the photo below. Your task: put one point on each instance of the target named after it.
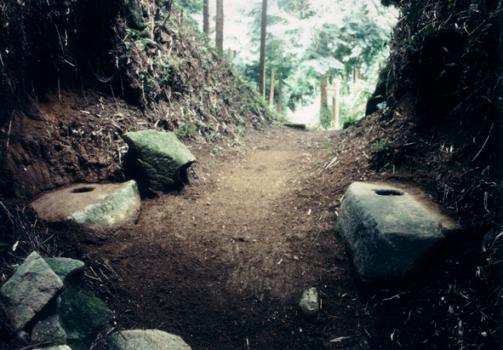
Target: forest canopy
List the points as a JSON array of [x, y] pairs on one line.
[[305, 40]]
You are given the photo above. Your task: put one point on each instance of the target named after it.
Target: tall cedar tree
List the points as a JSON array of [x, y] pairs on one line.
[[324, 111], [271, 91], [263, 32], [206, 17], [324, 92], [280, 96], [220, 27]]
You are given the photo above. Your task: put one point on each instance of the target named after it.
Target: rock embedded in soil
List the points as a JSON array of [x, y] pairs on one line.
[[49, 330], [146, 339], [93, 206], [310, 303], [65, 267], [29, 290], [391, 233], [158, 160], [83, 315]]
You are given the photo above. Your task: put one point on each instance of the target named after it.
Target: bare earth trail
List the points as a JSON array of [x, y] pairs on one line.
[[224, 262]]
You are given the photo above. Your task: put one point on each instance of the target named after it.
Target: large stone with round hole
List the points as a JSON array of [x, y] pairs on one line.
[[157, 160], [391, 232], [93, 206]]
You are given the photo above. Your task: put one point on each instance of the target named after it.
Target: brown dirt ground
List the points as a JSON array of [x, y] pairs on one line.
[[224, 262]]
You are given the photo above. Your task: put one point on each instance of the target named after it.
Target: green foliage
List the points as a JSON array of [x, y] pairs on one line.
[[140, 38], [354, 101], [349, 122], [379, 146], [190, 6], [300, 8], [186, 131], [304, 42], [260, 105]]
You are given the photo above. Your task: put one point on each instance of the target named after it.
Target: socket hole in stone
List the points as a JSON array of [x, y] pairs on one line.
[[84, 189], [388, 192]]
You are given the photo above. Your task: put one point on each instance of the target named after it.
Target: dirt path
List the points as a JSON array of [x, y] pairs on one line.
[[225, 262]]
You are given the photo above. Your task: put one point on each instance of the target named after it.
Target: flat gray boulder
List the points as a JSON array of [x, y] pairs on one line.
[[29, 290], [146, 339], [390, 233], [93, 206], [157, 160]]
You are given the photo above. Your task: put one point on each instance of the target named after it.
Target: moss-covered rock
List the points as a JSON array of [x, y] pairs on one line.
[[83, 315], [48, 329], [65, 267], [157, 160]]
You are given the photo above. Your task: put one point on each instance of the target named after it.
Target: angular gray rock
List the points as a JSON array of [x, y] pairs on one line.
[[310, 303], [157, 160], [33, 286], [146, 339], [93, 206], [65, 267], [49, 330], [390, 233]]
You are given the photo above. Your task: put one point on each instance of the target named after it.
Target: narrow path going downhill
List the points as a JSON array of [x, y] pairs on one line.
[[224, 262]]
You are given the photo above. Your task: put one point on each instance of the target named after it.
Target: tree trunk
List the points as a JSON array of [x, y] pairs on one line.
[[280, 96], [324, 111], [336, 109], [263, 32], [220, 27], [206, 17], [324, 93], [271, 91]]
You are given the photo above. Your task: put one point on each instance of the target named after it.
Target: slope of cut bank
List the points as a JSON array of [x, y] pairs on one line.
[[63, 109]]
